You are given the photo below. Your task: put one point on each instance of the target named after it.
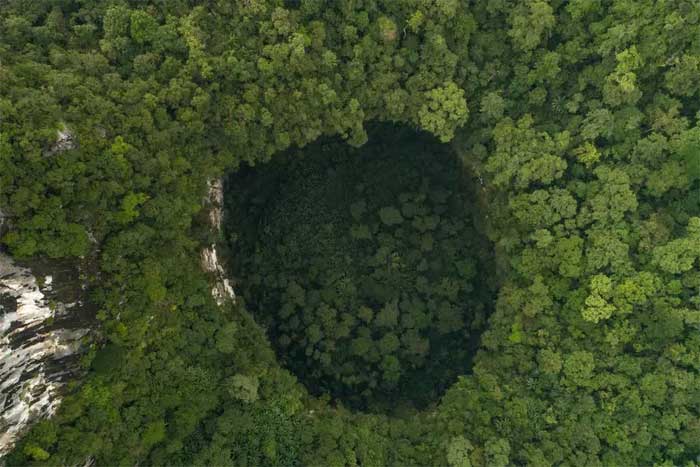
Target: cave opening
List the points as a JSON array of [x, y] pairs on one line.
[[366, 266]]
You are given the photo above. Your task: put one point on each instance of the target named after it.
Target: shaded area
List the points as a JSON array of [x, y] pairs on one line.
[[365, 265]]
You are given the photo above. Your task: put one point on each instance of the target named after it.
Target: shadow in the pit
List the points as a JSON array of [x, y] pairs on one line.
[[366, 265]]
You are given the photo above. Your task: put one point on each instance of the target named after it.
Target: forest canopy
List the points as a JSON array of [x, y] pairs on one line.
[[575, 125], [364, 264]]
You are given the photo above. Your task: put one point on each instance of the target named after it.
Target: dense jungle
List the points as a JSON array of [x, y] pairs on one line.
[[455, 232]]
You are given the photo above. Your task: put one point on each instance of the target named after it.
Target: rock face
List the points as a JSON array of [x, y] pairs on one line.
[[40, 336], [221, 289], [65, 141]]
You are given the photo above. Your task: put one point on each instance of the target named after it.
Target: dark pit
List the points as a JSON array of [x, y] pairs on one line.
[[365, 265]]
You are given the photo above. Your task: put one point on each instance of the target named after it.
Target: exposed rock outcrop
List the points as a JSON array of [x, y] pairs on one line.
[[39, 337], [65, 141], [222, 289]]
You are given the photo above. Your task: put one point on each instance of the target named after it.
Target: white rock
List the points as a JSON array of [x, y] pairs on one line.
[[221, 290], [65, 141], [27, 390]]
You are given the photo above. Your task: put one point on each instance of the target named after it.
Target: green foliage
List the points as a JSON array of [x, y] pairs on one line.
[[680, 255], [153, 433], [361, 264], [584, 145], [689, 149], [444, 110], [36, 453], [390, 216], [243, 388], [226, 338], [458, 452]]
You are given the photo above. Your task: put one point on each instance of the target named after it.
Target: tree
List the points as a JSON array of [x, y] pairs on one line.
[[497, 452], [680, 255], [390, 215], [524, 156], [458, 452], [243, 388], [530, 21], [578, 368], [444, 110]]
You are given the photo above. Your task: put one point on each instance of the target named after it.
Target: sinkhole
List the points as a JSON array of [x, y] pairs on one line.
[[365, 265]]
